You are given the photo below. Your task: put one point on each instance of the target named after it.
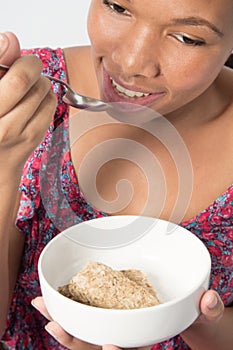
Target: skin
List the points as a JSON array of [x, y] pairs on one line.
[[27, 105], [183, 100], [157, 47], [163, 67]]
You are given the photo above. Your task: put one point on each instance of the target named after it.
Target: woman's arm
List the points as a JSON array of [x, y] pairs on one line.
[[11, 246], [26, 109]]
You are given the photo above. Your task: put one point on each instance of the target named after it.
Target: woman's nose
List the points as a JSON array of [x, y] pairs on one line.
[[136, 54]]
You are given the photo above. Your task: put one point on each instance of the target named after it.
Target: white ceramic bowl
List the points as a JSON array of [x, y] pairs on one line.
[[176, 262]]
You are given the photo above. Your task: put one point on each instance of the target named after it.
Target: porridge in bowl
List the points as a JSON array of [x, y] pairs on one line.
[[99, 285]]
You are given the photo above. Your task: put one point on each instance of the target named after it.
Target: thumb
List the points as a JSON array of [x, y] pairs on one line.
[[212, 307], [109, 347], [9, 48]]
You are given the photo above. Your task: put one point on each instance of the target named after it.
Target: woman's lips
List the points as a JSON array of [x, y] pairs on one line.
[[111, 94]]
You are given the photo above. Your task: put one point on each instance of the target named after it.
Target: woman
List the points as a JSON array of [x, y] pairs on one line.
[[168, 56]]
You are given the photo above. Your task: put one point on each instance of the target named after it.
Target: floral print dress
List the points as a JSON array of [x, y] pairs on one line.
[[25, 325]]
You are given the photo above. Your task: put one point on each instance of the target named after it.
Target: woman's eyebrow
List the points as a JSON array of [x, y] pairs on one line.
[[197, 21]]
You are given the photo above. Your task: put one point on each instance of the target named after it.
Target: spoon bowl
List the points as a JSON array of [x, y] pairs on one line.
[[75, 99]]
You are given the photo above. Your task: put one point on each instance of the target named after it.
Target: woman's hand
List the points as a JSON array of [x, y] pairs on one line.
[[202, 333], [64, 338], [197, 336], [27, 104], [54, 329]]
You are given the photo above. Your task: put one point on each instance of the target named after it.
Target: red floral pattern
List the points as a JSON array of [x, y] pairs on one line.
[[25, 328]]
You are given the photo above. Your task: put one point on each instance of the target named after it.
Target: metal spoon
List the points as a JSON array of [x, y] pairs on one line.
[[74, 99]]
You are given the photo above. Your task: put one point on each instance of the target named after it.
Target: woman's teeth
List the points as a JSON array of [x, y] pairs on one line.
[[126, 92]]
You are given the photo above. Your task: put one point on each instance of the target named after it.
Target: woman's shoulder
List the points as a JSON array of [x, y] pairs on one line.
[[224, 89], [228, 90], [81, 71], [78, 62], [80, 52]]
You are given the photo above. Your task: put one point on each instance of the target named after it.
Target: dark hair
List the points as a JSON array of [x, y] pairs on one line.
[[229, 62]]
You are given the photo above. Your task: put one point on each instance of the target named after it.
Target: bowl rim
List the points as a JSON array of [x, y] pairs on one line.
[[138, 310]]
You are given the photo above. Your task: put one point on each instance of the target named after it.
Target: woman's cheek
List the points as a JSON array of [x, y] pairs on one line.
[[194, 80]]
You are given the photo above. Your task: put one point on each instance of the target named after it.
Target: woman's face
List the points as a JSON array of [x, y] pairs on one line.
[[159, 53]]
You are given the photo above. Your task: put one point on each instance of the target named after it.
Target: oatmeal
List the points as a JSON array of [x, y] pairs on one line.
[[100, 286]]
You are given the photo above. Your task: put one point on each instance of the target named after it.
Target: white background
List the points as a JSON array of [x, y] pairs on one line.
[[39, 23]]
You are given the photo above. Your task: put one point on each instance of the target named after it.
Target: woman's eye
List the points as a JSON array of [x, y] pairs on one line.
[[115, 7], [188, 41]]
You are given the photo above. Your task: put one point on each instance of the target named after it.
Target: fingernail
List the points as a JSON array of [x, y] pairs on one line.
[[212, 302], [4, 43], [49, 328], [34, 304]]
